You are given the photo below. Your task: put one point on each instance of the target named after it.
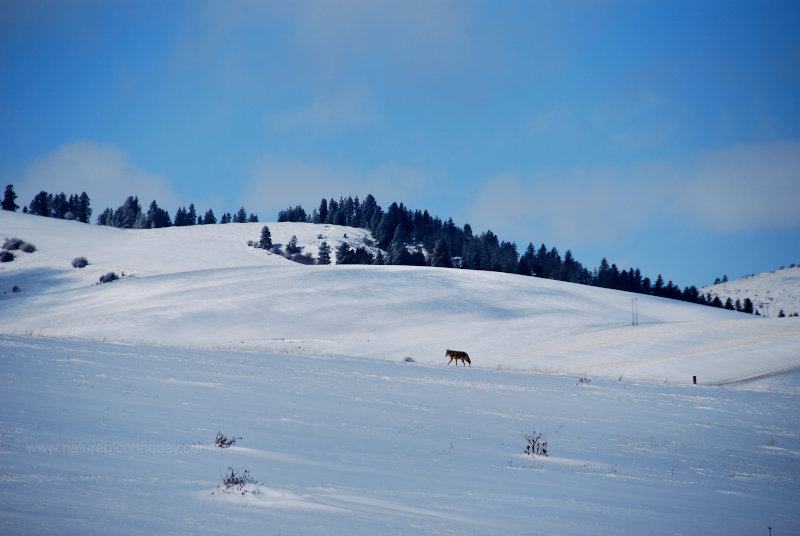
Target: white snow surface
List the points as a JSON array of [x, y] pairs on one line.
[[770, 292], [203, 287], [112, 396]]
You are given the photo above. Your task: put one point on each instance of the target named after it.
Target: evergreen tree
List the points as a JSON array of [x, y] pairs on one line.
[[59, 206], [344, 255], [729, 304], [296, 214], [157, 217], [292, 247], [241, 216], [191, 215], [266, 238], [658, 288], [126, 215], [141, 221], [253, 218], [397, 253], [181, 217], [9, 198], [647, 286], [226, 218], [322, 212], [83, 212], [209, 218], [474, 257], [324, 256], [747, 306], [368, 209], [40, 206], [106, 217], [441, 255]]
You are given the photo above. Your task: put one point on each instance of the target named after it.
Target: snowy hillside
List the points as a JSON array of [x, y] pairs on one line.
[[203, 287], [770, 292], [113, 394]]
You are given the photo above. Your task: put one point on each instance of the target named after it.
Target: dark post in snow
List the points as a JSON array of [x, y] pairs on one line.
[[694, 380]]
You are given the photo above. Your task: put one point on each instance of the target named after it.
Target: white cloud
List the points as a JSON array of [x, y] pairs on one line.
[[568, 207], [349, 108], [745, 187], [104, 172]]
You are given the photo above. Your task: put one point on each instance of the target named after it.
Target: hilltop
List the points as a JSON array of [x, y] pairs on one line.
[[770, 292], [204, 287]]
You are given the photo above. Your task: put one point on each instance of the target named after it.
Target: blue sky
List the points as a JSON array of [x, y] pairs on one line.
[[661, 135]]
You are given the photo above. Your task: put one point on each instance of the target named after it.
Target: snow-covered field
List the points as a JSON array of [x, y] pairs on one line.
[[307, 365], [112, 439]]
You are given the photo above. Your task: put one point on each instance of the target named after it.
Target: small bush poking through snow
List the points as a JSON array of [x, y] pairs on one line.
[[80, 262], [109, 277], [12, 244], [409, 359], [586, 381], [238, 482], [535, 445], [301, 258], [6, 256], [224, 442]]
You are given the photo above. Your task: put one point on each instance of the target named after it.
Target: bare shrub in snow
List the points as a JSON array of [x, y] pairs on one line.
[[409, 359], [12, 244], [224, 442], [535, 445], [302, 258], [586, 381], [80, 262], [240, 482], [109, 277]]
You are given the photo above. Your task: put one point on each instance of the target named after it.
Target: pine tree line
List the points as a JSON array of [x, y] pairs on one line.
[[414, 237], [75, 207], [409, 237], [130, 215]]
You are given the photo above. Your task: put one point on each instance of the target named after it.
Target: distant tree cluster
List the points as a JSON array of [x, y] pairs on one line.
[[75, 207], [240, 217], [130, 215], [296, 214], [414, 237]]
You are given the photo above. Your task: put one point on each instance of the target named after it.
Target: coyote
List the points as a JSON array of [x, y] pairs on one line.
[[455, 354]]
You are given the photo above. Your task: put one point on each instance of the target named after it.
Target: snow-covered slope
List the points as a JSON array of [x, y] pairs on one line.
[[203, 287], [770, 292], [305, 366]]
